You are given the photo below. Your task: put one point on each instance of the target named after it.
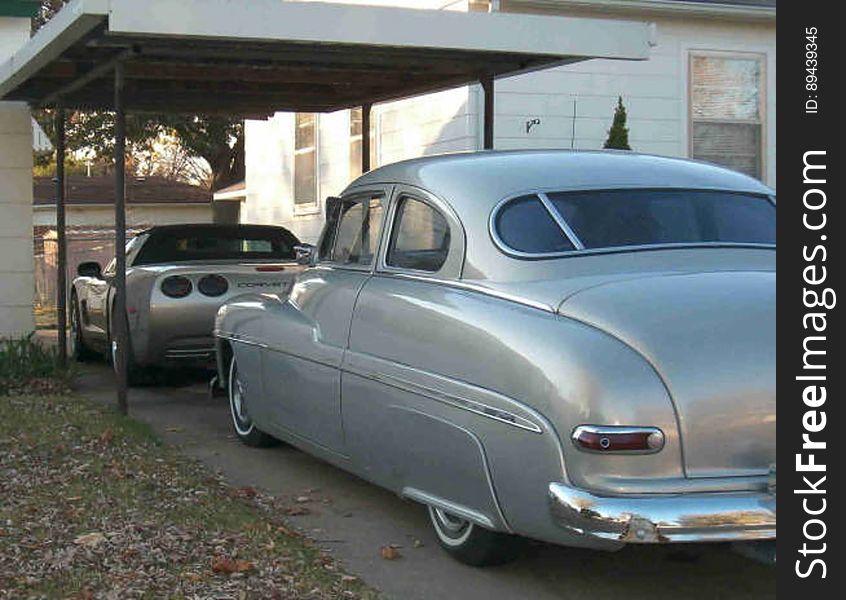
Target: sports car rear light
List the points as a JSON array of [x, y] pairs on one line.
[[176, 286], [213, 285], [618, 439]]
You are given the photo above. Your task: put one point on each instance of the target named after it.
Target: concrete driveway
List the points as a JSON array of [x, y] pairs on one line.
[[352, 519]]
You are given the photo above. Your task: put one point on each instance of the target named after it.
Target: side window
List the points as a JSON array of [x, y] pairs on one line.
[[356, 238], [420, 238]]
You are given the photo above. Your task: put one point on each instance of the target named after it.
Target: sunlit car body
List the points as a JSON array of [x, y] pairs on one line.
[[572, 347], [177, 277]]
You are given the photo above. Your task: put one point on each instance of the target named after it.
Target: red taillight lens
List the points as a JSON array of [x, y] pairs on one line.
[[617, 439], [270, 268], [176, 286]]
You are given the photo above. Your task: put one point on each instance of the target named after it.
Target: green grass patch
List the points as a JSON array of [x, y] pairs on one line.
[[92, 504]]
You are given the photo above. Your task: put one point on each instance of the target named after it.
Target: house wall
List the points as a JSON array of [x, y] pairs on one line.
[[16, 265], [135, 215], [574, 104]]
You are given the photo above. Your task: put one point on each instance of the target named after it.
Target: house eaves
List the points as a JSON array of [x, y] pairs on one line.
[[738, 10]]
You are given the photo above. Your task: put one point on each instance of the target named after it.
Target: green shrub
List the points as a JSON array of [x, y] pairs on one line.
[[25, 361]]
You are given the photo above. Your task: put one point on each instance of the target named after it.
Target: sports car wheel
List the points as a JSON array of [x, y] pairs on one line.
[[471, 544], [244, 427], [78, 350]]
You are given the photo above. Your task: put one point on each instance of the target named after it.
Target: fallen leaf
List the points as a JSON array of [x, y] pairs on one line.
[[348, 578], [175, 429], [389, 553], [228, 565], [296, 511], [107, 436], [90, 540], [247, 492], [302, 499], [85, 593], [418, 544]]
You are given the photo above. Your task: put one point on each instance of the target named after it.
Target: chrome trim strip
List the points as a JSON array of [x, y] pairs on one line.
[[471, 287], [451, 507], [241, 339], [611, 430], [560, 221], [473, 406], [662, 518]]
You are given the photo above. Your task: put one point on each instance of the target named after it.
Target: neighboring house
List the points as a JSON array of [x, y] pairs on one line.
[[40, 140], [707, 92], [90, 202], [90, 218]]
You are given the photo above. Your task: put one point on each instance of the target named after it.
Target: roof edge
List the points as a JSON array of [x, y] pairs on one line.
[[665, 7], [19, 8]]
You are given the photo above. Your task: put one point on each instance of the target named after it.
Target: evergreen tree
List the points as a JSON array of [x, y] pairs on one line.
[[618, 135]]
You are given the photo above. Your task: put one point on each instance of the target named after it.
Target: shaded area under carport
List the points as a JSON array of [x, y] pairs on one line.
[[251, 59]]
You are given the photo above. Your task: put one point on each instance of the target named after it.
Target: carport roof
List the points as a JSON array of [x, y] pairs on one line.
[[254, 58]]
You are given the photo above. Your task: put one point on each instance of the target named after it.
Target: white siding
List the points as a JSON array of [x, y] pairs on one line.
[[16, 265], [655, 93]]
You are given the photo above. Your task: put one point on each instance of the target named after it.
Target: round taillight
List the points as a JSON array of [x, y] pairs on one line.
[[617, 439], [176, 286], [213, 285]]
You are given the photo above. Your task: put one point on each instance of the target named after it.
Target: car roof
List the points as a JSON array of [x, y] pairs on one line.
[[471, 180]]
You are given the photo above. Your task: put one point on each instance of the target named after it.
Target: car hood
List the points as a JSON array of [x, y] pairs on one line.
[[710, 336]]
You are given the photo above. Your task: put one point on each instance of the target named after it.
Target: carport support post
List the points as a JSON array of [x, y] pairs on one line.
[[488, 128], [118, 318], [61, 240], [365, 137]]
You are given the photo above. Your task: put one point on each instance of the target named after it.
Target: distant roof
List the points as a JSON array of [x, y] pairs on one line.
[[100, 190]]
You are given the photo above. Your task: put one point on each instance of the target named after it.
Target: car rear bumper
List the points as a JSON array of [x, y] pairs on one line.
[[690, 517]]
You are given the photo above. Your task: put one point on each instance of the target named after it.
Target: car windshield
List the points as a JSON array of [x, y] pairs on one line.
[[216, 243], [615, 218]]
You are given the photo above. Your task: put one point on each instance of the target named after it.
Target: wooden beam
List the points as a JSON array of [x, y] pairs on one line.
[[61, 240], [488, 116], [365, 137], [118, 322]]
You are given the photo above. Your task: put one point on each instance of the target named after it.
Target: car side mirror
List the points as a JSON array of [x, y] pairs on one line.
[[89, 269], [306, 254]]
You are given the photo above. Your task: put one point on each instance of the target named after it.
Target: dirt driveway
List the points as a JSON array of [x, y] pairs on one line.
[[353, 519]]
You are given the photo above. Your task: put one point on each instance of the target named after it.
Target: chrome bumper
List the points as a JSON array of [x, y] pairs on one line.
[[693, 517]]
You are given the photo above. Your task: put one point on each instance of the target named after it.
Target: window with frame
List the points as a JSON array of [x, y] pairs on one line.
[[352, 237], [305, 159], [726, 111], [420, 237], [356, 145]]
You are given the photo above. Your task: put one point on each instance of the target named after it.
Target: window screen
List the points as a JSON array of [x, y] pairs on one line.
[[305, 159], [725, 112], [420, 238]]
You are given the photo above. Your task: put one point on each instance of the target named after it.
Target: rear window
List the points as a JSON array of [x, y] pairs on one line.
[[210, 244], [616, 218]]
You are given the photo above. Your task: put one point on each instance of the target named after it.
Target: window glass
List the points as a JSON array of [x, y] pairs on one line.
[[420, 238], [610, 218], [305, 159], [525, 225], [197, 242], [725, 111], [357, 236]]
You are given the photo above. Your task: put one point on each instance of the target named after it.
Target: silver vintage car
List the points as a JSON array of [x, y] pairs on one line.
[[576, 347], [177, 276]]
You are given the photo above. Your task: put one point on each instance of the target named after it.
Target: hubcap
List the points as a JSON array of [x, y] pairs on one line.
[[238, 402]]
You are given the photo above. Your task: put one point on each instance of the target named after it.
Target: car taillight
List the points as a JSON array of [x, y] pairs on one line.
[[176, 286], [618, 439], [213, 285]]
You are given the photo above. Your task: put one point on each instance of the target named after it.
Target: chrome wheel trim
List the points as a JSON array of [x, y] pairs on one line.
[[74, 330], [114, 355], [237, 405], [451, 530]]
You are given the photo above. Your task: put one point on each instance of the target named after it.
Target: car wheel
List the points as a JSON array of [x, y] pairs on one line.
[[471, 544], [244, 427], [78, 350]]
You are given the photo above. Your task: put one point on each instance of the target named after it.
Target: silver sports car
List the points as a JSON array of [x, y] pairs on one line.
[[177, 277], [577, 347]]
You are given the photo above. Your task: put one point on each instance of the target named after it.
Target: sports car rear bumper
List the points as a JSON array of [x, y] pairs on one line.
[[691, 517]]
